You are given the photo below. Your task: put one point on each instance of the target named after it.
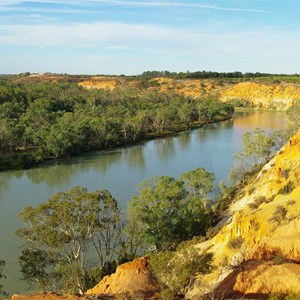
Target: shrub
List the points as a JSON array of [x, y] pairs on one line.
[[235, 243], [291, 202], [279, 214], [287, 189], [251, 190], [175, 271], [258, 201]]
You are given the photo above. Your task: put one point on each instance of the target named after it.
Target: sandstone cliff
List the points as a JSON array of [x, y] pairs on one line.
[[278, 96], [258, 250], [131, 279]]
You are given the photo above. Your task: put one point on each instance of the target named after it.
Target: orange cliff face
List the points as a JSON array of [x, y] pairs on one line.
[[132, 278], [258, 250], [99, 82], [265, 96]]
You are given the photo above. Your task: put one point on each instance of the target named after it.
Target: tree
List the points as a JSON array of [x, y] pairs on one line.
[[58, 236], [186, 113], [169, 211], [257, 149]]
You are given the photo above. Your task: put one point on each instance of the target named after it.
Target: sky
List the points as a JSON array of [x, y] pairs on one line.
[[129, 37]]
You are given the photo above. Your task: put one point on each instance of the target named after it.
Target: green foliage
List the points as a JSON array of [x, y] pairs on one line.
[[59, 233], [41, 120], [175, 271], [168, 211], [224, 198], [289, 296], [258, 147], [294, 115]]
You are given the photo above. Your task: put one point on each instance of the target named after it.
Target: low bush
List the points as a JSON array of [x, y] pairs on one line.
[[279, 214], [175, 271], [258, 201], [235, 243]]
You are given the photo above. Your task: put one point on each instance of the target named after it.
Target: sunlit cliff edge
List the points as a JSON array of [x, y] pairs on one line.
[[278, 96], [258, 250]]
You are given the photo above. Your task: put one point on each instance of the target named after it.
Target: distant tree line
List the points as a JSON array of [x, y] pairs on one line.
[[208, 74], [41, 120]]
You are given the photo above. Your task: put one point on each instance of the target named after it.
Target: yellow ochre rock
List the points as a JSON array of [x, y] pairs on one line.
[[278, 96], [263, 226], [105, 83], [130, 278], [269, 278]]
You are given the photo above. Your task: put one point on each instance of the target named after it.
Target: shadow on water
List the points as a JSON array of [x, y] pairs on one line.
[[184, 140], [60, 172], [135, 157], [165, 148]]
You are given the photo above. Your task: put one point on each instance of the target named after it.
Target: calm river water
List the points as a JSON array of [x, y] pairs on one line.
[[120, 171]]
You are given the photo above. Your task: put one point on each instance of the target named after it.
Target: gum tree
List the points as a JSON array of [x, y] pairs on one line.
[[168, 211], [59, 234]]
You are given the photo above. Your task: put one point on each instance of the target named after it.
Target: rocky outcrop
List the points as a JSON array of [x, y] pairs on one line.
[[99, 82], [269, 278], [263, 227], [274, 96], [132, 278]]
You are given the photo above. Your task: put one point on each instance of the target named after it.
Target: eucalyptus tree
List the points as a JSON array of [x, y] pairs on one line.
[[59, 235], [168, 211]]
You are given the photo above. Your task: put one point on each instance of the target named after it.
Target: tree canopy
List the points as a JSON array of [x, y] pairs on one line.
[[59, 233], [42, 120], [168, 211]]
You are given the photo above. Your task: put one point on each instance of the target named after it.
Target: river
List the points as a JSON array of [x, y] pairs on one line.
[[119, 171]]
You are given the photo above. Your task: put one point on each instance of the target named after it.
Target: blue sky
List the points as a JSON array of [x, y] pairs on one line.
[[129, 37]]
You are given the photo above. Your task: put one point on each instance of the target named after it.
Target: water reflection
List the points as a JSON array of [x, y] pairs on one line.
[[165, 148], [264, 119], [103, 161], [135, 157], [184, 140], [62, 172], [6, 180]]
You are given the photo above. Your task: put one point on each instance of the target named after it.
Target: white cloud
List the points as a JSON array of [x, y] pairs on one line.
[[168, 4], [153, 39], [88, 35]]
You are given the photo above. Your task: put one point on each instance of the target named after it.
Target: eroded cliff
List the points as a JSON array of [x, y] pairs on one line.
[[258, 250], [278, 96]]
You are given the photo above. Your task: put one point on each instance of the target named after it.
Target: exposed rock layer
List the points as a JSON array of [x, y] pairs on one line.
[[266, 223], [130, 278], [259, 95]]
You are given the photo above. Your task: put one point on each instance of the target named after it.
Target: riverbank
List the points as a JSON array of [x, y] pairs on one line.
[[27, 160]]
